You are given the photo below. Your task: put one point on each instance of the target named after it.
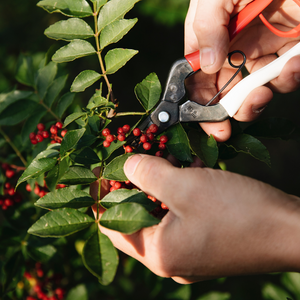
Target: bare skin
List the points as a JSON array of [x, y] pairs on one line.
[[238, 225]]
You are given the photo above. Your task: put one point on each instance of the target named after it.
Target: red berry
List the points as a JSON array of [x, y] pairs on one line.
[[152, 198], [34, 141], [10, 173], [28, 187], [127, 182], [42, 193], [121, 137], [8, 202], [7, 185], [150, 136], [59, 292], [162, 146], [136, 132], [17, 198], [11, 191], [40, 126], [106, 144], [143, 138], [110, 138], [163, 139], [37, 190], [120, 130], [112, 182], [39, 138], [159, 154], [126, 128], [40, 273], [4, 207], [118, 185], [54, 129], [112, 189], [5, 166], [59, 125], [45, 134], [32, 135], [105, 132], [153, 128], [63, 132], [147, 146], [128, 149]]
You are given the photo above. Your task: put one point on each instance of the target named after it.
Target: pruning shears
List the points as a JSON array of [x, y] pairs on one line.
[[171, 110]]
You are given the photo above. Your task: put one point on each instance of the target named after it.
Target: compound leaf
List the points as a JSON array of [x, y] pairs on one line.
[[70, 139], [84, 80], [60, 222]]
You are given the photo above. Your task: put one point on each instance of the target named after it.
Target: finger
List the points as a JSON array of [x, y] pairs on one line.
[[210, 27], [221, 131], [254, 104], [158, 178]]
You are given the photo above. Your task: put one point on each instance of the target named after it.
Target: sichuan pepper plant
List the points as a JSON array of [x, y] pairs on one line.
[[53, 154]]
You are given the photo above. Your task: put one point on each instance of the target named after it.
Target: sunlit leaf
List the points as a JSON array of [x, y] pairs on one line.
[[78, 175], [114, 10], [69, 30], [84, 80], [114, 170], [117, 58], [148, 91], [75, 49], [115, 31], [65, 197], [73, 117], [70, 139], [6, 99], [79, 292], [127, 218], [205, 147], [60, 222], [273, 292], [42, 253], [215, 296], [178, 144], [100, 257], [70, 8]]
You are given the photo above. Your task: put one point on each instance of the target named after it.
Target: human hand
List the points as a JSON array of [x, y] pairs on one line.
[[206, 30], [219, 223]]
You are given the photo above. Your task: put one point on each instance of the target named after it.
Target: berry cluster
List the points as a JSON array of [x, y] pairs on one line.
[[42, 133], [10, 197], [43, 287], [41, 191], [146, 139]]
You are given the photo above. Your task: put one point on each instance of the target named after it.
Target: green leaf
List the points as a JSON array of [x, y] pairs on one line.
[[291, 281], [248, 144], [178, 144], [115, 31], [100, 257], [73, 117], [84, 80], [274, 292], [114, 170], [97, 101], [86, 141], [127, 218], [205, 147], [78, 175], [25, 70], [60, 222], [39, 166], [148, 91], [64, 102], [107, 152], [70, 8], [79, 292], [85, 156], [117, 58], [74, 50], [123, 196], [70, 140], [65, 197], [273, 128], [42, 253], [17, 112], [215, 296], [45, 78], [54, 90], [182, 293], [114, 10], [6, 99], [99, 4], [69, 30]]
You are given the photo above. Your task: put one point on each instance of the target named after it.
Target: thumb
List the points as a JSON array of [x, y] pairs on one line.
[[155, 176], [211, 19]]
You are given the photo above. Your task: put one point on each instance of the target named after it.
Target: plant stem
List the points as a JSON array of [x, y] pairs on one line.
[[50, 111], [99, 191], [121, 114], [9, 141]]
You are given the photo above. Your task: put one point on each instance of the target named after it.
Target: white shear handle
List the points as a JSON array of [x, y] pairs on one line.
[[233, 100]]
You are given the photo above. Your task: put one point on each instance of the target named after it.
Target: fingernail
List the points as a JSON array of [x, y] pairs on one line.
[[258, 109], [297, 77], [131, 164], [207, 57]]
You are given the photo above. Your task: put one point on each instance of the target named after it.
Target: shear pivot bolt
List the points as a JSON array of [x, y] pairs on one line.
[[163, 117]]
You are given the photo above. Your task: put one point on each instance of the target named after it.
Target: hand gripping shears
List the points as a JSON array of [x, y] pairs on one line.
[[171, 110]]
